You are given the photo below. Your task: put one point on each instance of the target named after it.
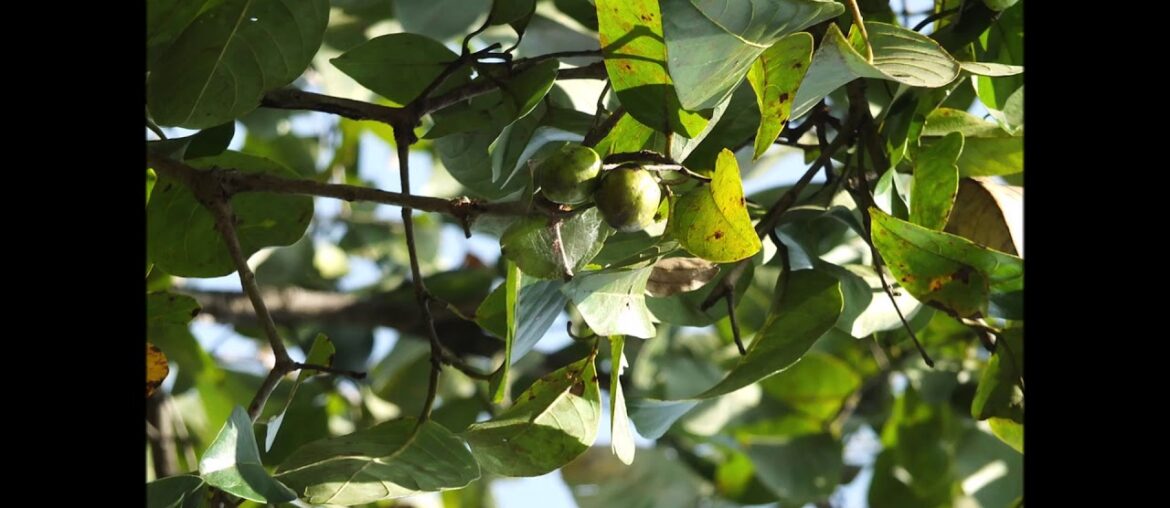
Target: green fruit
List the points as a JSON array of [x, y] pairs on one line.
[[569, 174], [628, 199]]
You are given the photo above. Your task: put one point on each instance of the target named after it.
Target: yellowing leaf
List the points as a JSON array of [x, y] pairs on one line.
[[776, 76], [712, 221], [156, 368]]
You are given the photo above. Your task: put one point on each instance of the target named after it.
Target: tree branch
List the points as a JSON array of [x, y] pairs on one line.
[[232, 181]]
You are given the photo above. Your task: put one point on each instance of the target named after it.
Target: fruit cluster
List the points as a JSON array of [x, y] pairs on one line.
[[627, 197]]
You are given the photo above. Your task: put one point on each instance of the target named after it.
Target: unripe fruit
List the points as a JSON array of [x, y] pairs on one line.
[[569, 174], [628, 198]]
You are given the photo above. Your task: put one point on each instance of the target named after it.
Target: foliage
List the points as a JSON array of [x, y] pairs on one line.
[[739, 340]]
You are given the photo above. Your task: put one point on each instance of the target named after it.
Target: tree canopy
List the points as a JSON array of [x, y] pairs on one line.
[[686, 253]]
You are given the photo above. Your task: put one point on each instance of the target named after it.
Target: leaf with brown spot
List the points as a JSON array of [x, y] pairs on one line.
[[678, 275], [156, 368], [630, 32], [709, 220], [775, 84], [555, 420], [948, 271]]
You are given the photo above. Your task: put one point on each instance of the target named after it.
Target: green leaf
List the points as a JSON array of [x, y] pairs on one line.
[[916, 433], [991, 68], [801, 469], [712, 221], [493, 164], [817, 385], [393, 459], [499, 108], [735, 127], [1000, 393], [400, 66], [224, 62], [712, 44], [657, 479], [621, 438], [654, 417], [1003, 44], [320, 353], [552, 422], [635, 59], [736, 480], [167, 315], [776, 76], [807, 304], [499, 384], [613, 302], [987, 149], [182, 491], [181, 235], [165, 20], [867, 306], [1009, 432], [899, 54], [540, 302], [936, 182], [942, 269], [211, 141], [439, 19], [532, 244], [232, 463], [999, 5], [1013, 110]]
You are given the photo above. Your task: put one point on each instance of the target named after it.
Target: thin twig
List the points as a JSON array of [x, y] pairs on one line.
[[353, 374], [420, 291], [734, 323], [233, 182], [595, 135], [525, 62], [856, 92], [935, 17], [462, 366], [155, 129]]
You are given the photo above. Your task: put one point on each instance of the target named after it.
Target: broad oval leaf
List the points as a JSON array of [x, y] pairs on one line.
[[775, 76], [1000, 393], [1009, 432], [400, 66], [553, 421], [807, 305], [712, 43], [392, 459], [181, 235], [635, 59], [899, 54], [181, 491], [987, 149], [516, 97], [800, 470], [219, 68], [943, 269], [816, 386], [320, 353], [613, 302], [232, 463], [654, 417], [936, 182], [621, 437], [166, 20], [440, 19], [533, 244], [712, 221], [539, 304]]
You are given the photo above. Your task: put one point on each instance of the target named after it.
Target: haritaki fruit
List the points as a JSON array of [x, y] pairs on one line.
[[628, 198], [569, 174]]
